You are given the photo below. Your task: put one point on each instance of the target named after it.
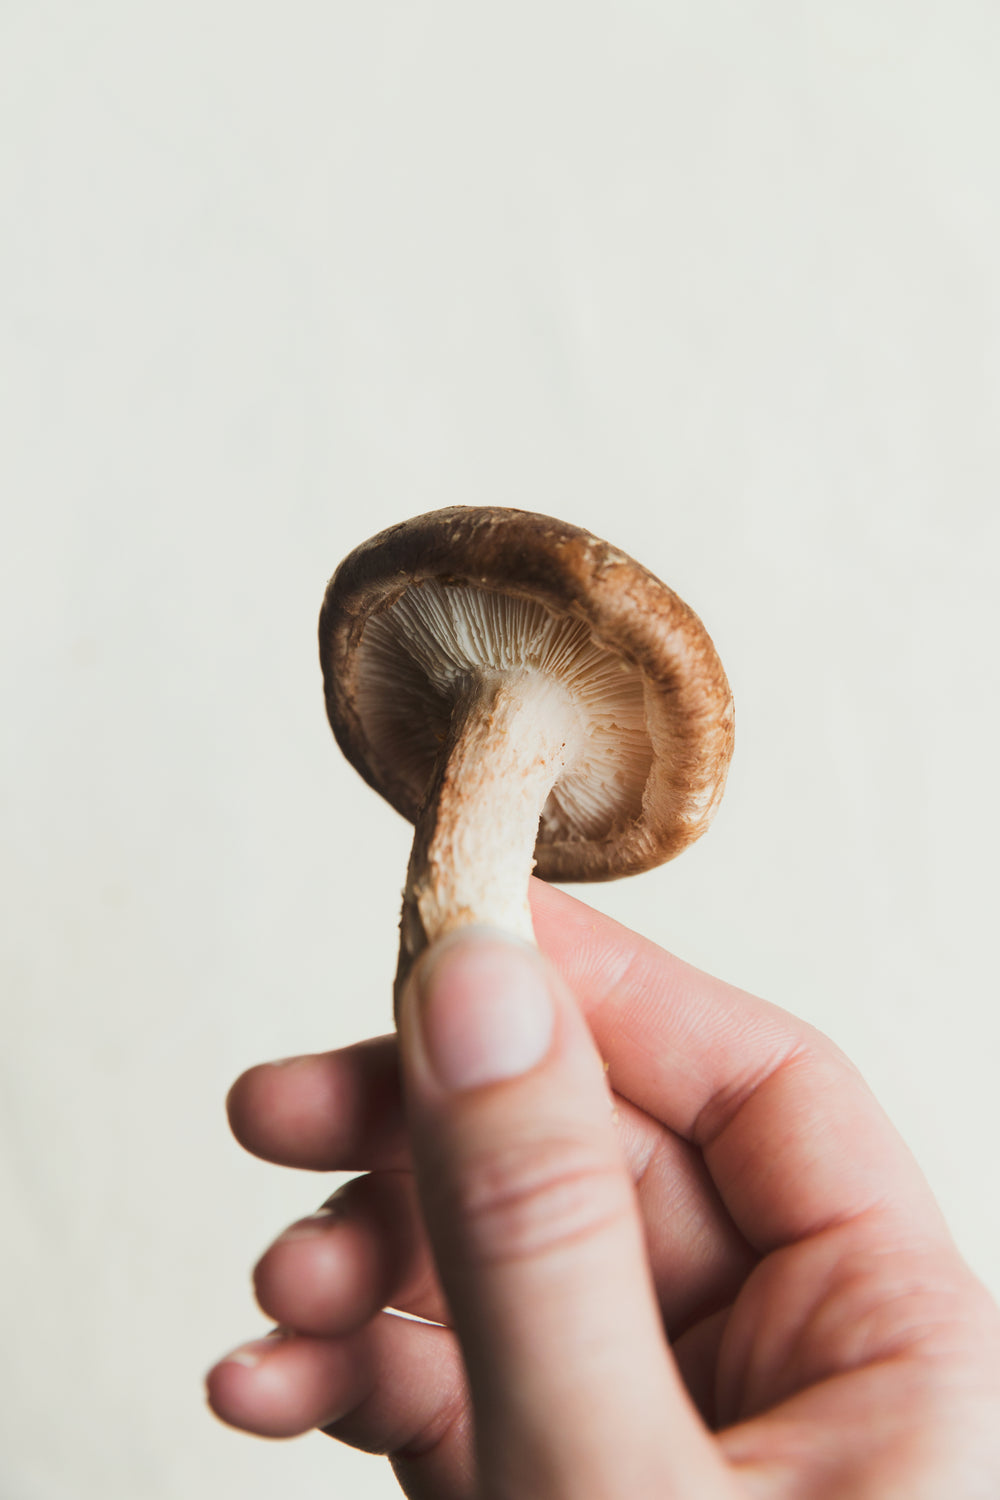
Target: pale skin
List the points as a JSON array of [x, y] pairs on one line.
[[682, 1253]]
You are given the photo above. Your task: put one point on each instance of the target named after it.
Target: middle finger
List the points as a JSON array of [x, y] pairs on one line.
[[364, 1250]]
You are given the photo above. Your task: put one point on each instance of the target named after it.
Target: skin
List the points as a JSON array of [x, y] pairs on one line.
[[683, 1158]]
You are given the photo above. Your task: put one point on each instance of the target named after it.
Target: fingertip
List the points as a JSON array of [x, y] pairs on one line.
[[288, 1112], [283, 1384], [264, 1073], [264, 1101], [323, 1112], [251, 1391], [298, 1280]]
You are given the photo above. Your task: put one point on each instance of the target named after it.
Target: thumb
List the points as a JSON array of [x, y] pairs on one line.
[[537, 1235]]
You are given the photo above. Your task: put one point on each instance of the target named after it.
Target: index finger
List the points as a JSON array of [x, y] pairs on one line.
[[790, 1132]]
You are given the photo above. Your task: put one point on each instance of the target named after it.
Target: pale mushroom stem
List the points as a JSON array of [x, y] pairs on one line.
[[511, 733]]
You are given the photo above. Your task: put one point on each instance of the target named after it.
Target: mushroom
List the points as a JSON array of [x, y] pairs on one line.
[[528, 696]]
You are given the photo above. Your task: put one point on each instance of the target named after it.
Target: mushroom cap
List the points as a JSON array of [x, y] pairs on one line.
[[621, 609]]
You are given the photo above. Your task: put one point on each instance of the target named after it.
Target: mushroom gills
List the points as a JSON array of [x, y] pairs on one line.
[[507, 724], [417, 656]]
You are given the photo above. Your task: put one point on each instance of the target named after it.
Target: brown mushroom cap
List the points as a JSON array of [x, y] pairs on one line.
[[622, 611]]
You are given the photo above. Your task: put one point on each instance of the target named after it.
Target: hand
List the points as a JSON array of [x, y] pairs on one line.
[[744, 1198]]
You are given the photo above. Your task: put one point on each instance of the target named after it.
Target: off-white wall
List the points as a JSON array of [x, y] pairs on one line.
[[719, 281]]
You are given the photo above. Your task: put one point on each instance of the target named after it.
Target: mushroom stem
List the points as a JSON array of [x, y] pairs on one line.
[[511, 733]]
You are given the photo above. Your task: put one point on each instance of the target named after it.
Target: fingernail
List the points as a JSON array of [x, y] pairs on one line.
[[484, 1008], [250, 1355], [317, 1223]]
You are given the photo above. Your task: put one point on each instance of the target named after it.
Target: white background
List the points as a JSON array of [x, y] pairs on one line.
[[718, 281]]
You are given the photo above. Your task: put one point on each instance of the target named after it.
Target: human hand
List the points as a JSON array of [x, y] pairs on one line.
[[745, 1197]]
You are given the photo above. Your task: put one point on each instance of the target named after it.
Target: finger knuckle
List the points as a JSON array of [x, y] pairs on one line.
[[530, 1198]]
